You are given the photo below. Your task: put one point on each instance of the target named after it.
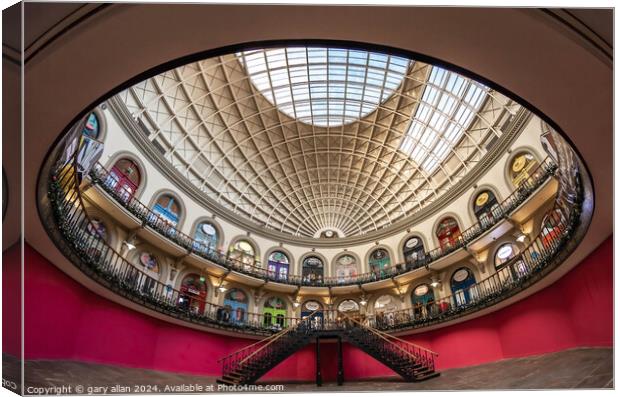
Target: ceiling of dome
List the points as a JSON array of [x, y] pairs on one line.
[[304, 140]]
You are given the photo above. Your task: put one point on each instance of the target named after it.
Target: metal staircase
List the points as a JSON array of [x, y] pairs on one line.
[[413, 363], [247, 365]]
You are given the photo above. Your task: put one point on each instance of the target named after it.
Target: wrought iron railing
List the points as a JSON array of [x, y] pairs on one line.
[[265, 350], [123, 196], [94, 256], [390, 344]]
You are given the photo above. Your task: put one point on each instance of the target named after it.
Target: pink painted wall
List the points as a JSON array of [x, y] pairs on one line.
[[66, 321], [11, 301]]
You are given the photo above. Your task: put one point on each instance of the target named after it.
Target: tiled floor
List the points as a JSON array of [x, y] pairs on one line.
[[578, 368]]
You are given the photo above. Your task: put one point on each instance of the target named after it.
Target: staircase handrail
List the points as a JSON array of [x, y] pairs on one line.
[[279, 335], [276, 335], [381, 335]]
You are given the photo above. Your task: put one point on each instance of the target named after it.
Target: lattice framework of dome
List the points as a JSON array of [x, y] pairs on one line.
[[213, 122]]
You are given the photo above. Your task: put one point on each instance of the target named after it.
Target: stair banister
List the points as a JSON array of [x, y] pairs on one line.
[[278, 336], [378, 333]]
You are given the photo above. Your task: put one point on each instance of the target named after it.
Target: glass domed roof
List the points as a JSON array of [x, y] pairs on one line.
[[325, 87]]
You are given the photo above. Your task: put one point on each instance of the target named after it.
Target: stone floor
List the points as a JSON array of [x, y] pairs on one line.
[[577, 368]]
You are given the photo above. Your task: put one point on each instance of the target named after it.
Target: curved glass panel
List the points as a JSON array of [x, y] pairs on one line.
[[449, 105], [325, 87]]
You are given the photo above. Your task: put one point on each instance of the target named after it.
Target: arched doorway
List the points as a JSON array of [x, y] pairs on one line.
[[346, 268], [422, 301], [278, 266], [461, 284], [386, 307], [193, 293], [205, 237], [235, 306], [315, 309], [448, 233], [486, 207], [274, 313], [242, 253], [379, 262], [124, 178], [312, 270], [522, 167], [413, 252], [168, 209], [350, 308]]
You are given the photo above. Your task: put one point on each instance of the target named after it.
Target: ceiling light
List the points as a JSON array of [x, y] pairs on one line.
[[521, 237], [129, 245], [221, 288], [434, 282]]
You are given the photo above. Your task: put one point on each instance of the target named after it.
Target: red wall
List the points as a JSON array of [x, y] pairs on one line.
[[64, 320], [11, 301]]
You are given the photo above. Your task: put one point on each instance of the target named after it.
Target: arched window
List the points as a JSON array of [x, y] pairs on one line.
[[168, 208], [312, 270], [461, 282], [91, 128], [552, 227], [243, 252], [235, 306], [413, 252], [379, 262], [346, 268], [205, 237], [124, 178], [448, 233], [521, 167], [505, 253], [278, 265], [422, 300], [274, 312], [484, 206], [193, 293]]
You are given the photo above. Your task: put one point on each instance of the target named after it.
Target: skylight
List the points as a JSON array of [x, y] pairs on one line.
[[447, 108], [325, 87]]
